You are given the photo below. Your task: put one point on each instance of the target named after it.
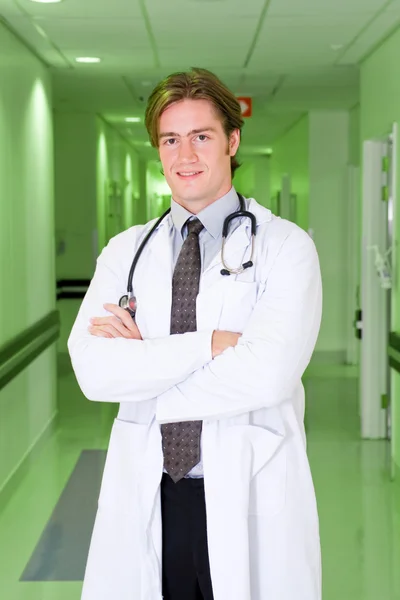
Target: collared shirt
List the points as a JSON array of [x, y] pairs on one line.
[[210, 240]]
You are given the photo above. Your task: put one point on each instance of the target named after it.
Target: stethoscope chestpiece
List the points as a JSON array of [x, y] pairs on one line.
[[129, 304]]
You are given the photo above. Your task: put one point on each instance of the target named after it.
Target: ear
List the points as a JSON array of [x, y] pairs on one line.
[[234, 141]]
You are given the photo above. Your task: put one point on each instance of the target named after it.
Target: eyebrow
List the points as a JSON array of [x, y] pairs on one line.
[[193, 132]]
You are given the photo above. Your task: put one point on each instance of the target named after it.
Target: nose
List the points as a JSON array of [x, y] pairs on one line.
[[186, 151]]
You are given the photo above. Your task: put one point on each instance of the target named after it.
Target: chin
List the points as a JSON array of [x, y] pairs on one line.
[[189, 195]]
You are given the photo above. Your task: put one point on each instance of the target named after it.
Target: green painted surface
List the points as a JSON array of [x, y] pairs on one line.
[[291, 155], [27, 253], [379, 108]]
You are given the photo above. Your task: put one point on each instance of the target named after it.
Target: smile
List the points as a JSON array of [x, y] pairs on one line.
[[189, 173]]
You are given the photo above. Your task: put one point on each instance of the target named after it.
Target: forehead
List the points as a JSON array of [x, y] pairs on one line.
[[189, 114]]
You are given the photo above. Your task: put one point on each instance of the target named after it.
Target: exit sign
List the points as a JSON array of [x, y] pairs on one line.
[[246, 104]]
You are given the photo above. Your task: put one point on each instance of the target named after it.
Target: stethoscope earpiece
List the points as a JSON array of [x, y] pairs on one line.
[[225, 272]]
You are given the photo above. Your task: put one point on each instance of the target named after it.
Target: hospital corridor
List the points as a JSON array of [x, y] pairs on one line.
[[318, 87]]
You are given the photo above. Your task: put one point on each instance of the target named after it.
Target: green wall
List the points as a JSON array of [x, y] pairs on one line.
[[354, 136], [244, 177], [97, 195], [290, 155], [328, 217], [27, 274], [119, 197], [252, 178], [75, 139], [158, 191], [379, 108]]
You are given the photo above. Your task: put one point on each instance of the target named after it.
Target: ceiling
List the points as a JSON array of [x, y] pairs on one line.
[[289, 55]]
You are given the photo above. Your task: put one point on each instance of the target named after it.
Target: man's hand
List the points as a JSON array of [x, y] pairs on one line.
[[221, 340], [120, 324]]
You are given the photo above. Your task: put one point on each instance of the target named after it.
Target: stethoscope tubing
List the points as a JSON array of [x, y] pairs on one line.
[[242, 212]]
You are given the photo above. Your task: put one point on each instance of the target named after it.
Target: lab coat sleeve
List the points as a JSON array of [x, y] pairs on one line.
[[124, 370], [277, 343]]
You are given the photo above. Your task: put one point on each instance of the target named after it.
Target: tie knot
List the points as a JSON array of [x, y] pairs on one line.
[[194, 226]]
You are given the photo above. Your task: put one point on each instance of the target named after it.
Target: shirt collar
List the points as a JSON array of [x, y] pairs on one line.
[[212, 217]]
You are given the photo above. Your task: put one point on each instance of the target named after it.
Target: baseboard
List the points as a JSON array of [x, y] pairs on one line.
[[64, 366], [21, 469], [329, 357], [396, 475]]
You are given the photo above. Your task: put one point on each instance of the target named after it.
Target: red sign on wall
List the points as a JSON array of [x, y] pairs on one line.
[[246, 104]]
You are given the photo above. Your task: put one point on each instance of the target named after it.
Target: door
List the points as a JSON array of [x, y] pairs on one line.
[[377, 227]]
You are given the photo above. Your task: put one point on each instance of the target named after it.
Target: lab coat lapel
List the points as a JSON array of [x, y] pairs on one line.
[[155, 285], [213, 284], [235, 249]]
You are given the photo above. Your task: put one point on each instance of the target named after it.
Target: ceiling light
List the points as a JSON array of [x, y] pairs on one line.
[[87, 59], [47, 1], [133, 119]]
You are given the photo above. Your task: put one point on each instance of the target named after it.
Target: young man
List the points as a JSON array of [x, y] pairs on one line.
[[207, 492]]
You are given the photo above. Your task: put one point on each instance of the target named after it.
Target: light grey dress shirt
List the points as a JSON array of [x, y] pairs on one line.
[[210, 240]]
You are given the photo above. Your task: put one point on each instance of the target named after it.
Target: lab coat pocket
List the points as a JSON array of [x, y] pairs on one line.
[[123, 468], [267, 486], [239, 301]]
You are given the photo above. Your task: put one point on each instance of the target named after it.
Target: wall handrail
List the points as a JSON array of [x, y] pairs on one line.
[[72, 288], [19, 352]]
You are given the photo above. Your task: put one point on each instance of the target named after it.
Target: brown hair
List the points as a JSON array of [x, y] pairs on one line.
[[196, 84]]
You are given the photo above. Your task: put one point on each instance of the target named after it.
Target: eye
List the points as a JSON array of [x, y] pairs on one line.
[[170, 141], [202, 137]]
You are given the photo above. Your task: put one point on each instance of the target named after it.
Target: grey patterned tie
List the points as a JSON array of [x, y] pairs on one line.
[[181, 441]]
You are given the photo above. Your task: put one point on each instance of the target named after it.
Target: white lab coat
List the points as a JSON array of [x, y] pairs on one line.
[[262, 518]]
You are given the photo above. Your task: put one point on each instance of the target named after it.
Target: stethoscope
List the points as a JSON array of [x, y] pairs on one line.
[[129, 302]]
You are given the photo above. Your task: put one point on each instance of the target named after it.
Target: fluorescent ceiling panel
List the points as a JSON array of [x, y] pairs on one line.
[[323, 7], [84, 9], [293, 35], [111, 34], [181, 31], [206, 56], [375, 33], [223, 10], [323, 77]]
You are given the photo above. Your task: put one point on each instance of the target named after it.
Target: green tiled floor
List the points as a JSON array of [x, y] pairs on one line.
[[359, 507]]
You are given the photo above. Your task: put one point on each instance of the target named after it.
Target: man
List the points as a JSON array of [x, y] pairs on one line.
[[207, 492]]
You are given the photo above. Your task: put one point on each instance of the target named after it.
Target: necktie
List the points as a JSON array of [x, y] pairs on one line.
[[181, 441]]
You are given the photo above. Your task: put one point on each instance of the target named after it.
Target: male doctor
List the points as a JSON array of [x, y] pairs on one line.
[[207, 492]]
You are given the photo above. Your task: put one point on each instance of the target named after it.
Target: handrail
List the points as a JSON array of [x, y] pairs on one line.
[[394, 351], [19, 352], [72, 288]]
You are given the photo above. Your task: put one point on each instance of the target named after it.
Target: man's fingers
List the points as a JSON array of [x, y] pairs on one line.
[[98, 332], [122, 314], [116, 325]]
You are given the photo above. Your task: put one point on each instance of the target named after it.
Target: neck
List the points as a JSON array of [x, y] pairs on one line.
[[196, 205]]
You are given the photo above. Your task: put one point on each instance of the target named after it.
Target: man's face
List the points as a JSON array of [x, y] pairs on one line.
[[195, 153]]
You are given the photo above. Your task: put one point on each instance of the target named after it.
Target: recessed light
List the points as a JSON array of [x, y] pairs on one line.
[[47, 1], [87, 59], [133, 119]]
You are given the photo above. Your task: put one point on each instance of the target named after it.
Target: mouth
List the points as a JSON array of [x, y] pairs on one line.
[[188, 175]]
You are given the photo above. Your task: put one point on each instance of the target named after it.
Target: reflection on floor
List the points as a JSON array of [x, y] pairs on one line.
[[45, 526]]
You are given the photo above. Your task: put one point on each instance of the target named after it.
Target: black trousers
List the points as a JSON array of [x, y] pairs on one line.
[[185, 564]]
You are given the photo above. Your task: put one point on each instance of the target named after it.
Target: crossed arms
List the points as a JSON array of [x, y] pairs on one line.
[[206, 374]]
